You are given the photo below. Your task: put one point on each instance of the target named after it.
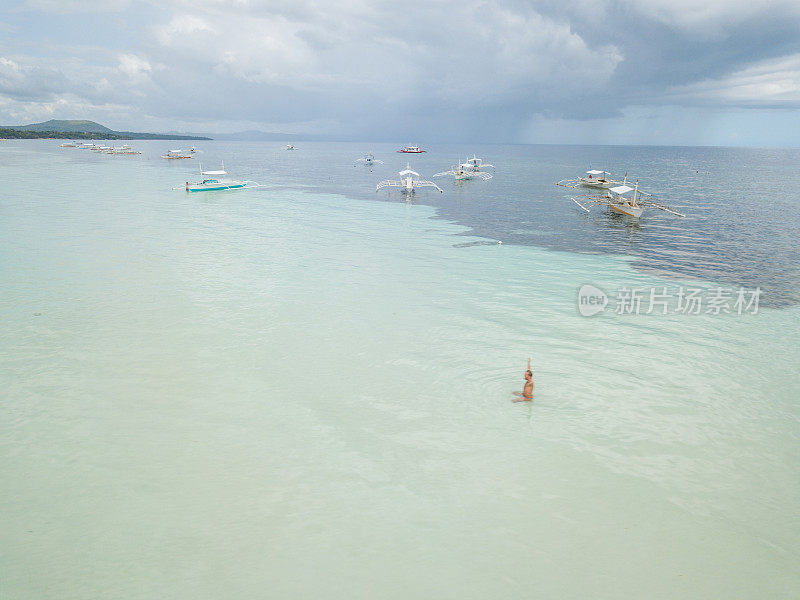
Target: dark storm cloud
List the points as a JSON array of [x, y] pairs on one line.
[[481, 70]]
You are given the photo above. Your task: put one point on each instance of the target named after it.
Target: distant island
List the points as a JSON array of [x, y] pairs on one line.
[[83, 130]]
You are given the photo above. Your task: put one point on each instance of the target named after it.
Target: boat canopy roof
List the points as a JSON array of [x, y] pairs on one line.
[[407, 172], [215, 172], [621, 189], [594, 172], [175, 151]]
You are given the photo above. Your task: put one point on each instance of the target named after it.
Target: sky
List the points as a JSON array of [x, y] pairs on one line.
[[673, 72]]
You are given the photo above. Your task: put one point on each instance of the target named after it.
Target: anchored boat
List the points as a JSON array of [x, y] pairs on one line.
[[468, 170], [619, 200], [124, 149], [214, 180], [176, 154], [408, 182], [594, 179], [369, 159], [411, 150]]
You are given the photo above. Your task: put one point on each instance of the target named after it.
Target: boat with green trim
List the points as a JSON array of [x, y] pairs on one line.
[[216, 180]]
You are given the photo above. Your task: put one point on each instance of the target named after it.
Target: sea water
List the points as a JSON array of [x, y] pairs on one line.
[[303, 390]]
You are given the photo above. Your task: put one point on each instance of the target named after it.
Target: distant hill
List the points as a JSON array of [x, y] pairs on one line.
[[64, 127], [83, 130]]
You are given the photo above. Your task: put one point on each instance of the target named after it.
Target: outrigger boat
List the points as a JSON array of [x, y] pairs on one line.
[[369, 159], [468, 170], [176, 154], [408, 182], [476, 164], [124, 149], [290, 147], [595, 179], [69, 145], [618, 200], [411, 150], [215, 180]]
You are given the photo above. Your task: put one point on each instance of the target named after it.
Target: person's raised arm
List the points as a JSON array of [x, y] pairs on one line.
[[529, 364]]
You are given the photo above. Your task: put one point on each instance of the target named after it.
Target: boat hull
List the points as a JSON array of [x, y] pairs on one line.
[[595, 183], [213, 187], [625, 209]]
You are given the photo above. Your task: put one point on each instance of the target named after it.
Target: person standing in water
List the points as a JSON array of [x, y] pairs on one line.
[[527, 390]]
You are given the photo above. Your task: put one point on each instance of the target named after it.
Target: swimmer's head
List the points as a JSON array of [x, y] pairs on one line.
[[528, 374]]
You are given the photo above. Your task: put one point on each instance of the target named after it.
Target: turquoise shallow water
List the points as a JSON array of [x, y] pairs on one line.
[[288, 393]]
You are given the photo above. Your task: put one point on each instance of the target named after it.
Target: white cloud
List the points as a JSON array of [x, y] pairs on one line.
[[768, 83], [16, 112], [134, 67], [77, 6], [43, 81], [181, 26], [372, 66], [712, 18], [27, 81], [9, 70], [425, 50]]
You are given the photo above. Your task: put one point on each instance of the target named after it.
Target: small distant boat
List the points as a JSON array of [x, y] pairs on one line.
[[598, 179], [369, 159], [192, 150], [176, 154], [461, 173], [411, 150], [86, 146], [69, 145], [215, 180], [468, 170], [408, 182], [124, 149], [594, 178], [475, 164], [290, 147], [100, 148]]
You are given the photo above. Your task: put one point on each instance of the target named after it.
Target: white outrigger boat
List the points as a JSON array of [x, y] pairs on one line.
[[595, 179], [617, 198], [290, 147], [216, 180], [468, 170], [476, 164], [124, 149], [369, 159], [69, 145], [408, 182], [176, 154]]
